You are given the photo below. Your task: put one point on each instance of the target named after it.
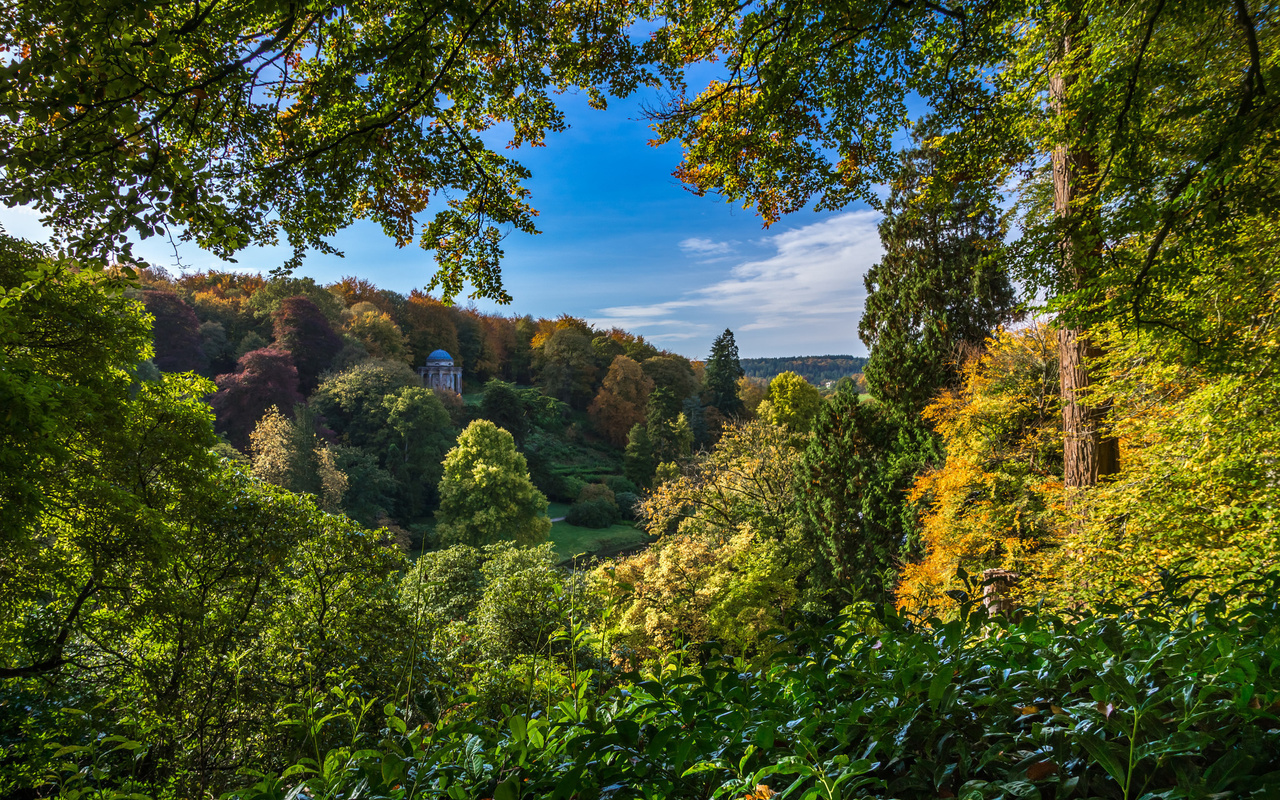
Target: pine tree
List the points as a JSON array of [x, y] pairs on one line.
[[939, 289], [638, 463], [722, 374], [855, 495]]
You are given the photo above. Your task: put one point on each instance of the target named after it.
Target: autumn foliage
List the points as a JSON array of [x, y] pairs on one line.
[[621, 401], [993, 503]]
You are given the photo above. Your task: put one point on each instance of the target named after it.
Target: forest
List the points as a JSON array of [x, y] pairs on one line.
[[246, 552], [814, 369]]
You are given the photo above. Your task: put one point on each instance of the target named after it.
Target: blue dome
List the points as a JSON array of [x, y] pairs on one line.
[[439, 355]]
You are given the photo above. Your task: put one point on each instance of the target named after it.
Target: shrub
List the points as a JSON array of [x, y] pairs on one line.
[[619, 484], [598, 513], [1163, 700], [595, 491], [570, 487], [628, 505]]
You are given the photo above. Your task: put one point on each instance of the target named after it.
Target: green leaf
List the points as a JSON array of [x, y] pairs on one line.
[[1102, 753], [508, 789], [702, 766]]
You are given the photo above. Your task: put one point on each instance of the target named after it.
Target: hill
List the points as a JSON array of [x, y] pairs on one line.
[[815, 369]]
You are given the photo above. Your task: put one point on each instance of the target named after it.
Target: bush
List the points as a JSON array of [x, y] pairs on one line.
[[595, 491], [570, 487], [1165, 700], [598, 513], [628, 505], [621, 485]]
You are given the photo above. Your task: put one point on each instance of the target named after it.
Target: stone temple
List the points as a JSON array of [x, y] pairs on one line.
[[440, 373]]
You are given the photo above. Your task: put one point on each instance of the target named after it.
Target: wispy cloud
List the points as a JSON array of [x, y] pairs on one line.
[[698, 246], [807, 292]]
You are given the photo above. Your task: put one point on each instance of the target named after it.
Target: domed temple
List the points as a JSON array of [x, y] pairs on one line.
[[440, 373]]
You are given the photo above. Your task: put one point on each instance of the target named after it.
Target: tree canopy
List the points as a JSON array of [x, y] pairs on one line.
[[235, 124]]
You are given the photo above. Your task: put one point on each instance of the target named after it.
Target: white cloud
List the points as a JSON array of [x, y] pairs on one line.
[[697, 246], [805, 297]]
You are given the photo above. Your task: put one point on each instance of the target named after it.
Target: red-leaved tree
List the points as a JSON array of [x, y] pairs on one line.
[[263, 378], [176, 331], [302, 329]]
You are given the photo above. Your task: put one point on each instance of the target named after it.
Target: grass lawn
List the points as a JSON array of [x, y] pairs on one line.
[[557, 510], [570, 540]]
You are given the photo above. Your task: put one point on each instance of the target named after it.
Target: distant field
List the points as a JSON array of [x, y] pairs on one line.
[[570, 540]]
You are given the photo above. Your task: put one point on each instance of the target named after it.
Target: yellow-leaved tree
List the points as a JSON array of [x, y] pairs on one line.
[[730, 554], [991, 505]]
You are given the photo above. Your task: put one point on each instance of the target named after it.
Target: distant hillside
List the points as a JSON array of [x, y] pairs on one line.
[[814, 369]]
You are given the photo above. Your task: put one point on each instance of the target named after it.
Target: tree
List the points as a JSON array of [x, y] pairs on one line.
[[723, 372], [486, 495], [287, 453], [672, 373], [792, 402], [413, 440], [263, 379], [428, 326], [56, 397], [445, 585], [621, 401], [177, 332], [216, 347], [567, 367], [523, 605], [730, 552], [503, 406], [266, 299], [375, 329], [352, 401], [990, 503], [340, 113], [941, 287], [668, 433], [1081, 104], [302, 329], [855, 496], [638, 462]]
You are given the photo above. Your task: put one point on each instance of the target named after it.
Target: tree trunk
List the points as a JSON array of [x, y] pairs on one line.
[[1086, 453]]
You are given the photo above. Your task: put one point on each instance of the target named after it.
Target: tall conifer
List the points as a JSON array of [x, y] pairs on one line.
[[722, 374]]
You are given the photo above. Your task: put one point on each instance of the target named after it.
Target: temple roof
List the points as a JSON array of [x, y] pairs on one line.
[[439, 355]]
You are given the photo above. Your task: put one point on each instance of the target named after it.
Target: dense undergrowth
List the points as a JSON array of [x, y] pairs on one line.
[[1171, 698]]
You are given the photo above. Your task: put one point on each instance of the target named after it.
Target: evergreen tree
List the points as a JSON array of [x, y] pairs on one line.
[[941, 287], [638, 463], [669, 435], [856, 469], [723, 372]]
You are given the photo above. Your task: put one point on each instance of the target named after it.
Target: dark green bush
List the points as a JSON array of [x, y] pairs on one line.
[[628, 505], [598, 513], [621, 485]]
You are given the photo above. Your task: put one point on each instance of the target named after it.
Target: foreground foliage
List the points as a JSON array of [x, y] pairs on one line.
[[1172, 699]]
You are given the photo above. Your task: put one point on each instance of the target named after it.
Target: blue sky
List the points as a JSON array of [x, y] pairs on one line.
[[623, 243]]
